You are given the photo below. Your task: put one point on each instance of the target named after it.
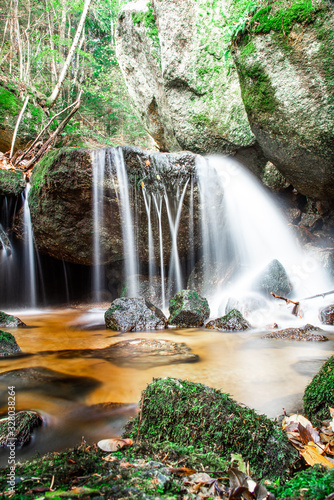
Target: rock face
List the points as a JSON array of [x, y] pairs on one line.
[[8, 321], [25, 424], [61, 199], [8, 344], [326, 315], [12, 182], [308, 333], [188, 309], [273, 279], [172, 56], [287, 85], [231, 322], [133, 315], [319, 394]]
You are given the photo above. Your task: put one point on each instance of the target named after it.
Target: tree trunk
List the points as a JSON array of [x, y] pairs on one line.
[[67, 63]]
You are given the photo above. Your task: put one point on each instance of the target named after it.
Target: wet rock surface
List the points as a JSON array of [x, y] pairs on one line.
[[273, 279], [231, 322], [133, 315], [246, 304], [20, 428], [308, 333], [8, 321], [188, 309], [12, 182], [8, 344], [326, 315]]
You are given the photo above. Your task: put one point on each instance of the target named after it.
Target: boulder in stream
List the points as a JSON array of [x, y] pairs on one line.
[[188, 309], [231, 322], [133, 315], [326, 315], [319, 394], [8, 344], [190, 414], [8, 321], [273, 279], [308, 333], [19, 428]]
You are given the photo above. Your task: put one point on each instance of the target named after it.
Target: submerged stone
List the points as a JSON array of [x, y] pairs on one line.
[[8, 321], [188, 309], [326, 315], [308, 333], [231, 322], [8, 344], [195, 415], [319, 394], [20, 428], [133, 315], [273, 279]]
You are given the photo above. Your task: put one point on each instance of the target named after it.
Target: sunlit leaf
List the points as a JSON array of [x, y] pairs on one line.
[[114, 444]]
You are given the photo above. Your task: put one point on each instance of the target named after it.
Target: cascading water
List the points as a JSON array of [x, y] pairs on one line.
[[98, 164], [29, 256]]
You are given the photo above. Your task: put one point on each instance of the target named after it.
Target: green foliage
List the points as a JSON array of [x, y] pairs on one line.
[[319, 394], [8, 103], [192, 414], [311, 484], [7, 339]]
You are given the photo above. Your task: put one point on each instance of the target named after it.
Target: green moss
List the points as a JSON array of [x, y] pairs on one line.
[[39, 171], [257, 92], [148, 20], [200, 119], [319, 394], [9, 104], [311, 484], [192, 414], [12, 182]]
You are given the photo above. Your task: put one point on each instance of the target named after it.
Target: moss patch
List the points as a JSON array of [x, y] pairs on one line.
[[319, 394], [8, 344], [192, 414], [12, 182]]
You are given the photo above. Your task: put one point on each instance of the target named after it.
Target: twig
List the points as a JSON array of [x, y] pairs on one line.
[[140, 416], [17, 125]]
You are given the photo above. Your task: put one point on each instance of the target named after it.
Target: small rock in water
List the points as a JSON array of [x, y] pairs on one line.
[[8, 344], [8, 321], [326, 315], [305, 333], [133, 315], [25, 422], [188, 309], [231, 322]]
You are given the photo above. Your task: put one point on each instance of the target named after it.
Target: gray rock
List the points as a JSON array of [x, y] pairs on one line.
[[8, 344], [245, 305], [308, 333], [8, 321], [21, 433], [231, 322], [12, 182], [133, 315], [188, 309], [273, 279], [326, 315]]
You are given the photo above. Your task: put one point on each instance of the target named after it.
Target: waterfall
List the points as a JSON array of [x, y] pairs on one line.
[[98, 165], [29, 256]]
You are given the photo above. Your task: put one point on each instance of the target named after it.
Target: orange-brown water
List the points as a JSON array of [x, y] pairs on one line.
[[267, 375]]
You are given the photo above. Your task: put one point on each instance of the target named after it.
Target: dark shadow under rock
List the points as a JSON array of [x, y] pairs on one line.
[[307, 333], [19, 428], [48, 382]]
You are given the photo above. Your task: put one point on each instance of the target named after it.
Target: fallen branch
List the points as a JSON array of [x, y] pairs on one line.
[[296, 307], [52, 138], [17, 126], [319, 295]]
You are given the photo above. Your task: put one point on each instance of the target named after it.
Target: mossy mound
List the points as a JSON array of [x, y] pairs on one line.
[[20, 428], [8, 321], [319, 394], [191, 414], [188, 309], [8, 344], [12, 182]]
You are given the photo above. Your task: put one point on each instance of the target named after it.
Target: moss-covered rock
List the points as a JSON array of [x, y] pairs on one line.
[[8, 321], [186, 413], [10, 106], [134, 315], [12, 182], [319, 394], [8, 344], [188, 309], [19, 428], [231, 322]]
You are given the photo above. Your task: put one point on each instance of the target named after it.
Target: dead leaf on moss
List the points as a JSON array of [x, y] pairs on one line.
[[114, 444]]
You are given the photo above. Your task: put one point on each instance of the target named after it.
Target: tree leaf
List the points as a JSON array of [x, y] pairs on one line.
[[114, 444]]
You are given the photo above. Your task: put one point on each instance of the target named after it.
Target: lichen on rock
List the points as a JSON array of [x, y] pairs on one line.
[[133, 315], [188, 309], [231, 322]]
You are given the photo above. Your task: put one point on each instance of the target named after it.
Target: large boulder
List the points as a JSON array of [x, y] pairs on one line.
[[61, 199], [8, 344], [134, 315], [172, 57], [273, 279], [326, 315], [195, 415], [8, 321], [319, 394], [188, 309], [231, 322], [307, 333], [285, 62]]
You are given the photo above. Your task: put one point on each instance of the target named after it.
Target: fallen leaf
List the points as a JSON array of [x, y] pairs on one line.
[[312, 455], [114, 444], [126, 464], [148, 163], [296, 418], [158, 177], [110, 458], [142, 185], [182, 471], [308, 434]]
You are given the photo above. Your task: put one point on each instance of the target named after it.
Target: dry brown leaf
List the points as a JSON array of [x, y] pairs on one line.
[[182, 471], [295, 418], [114, 444], [110, 458], [312, 455]]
